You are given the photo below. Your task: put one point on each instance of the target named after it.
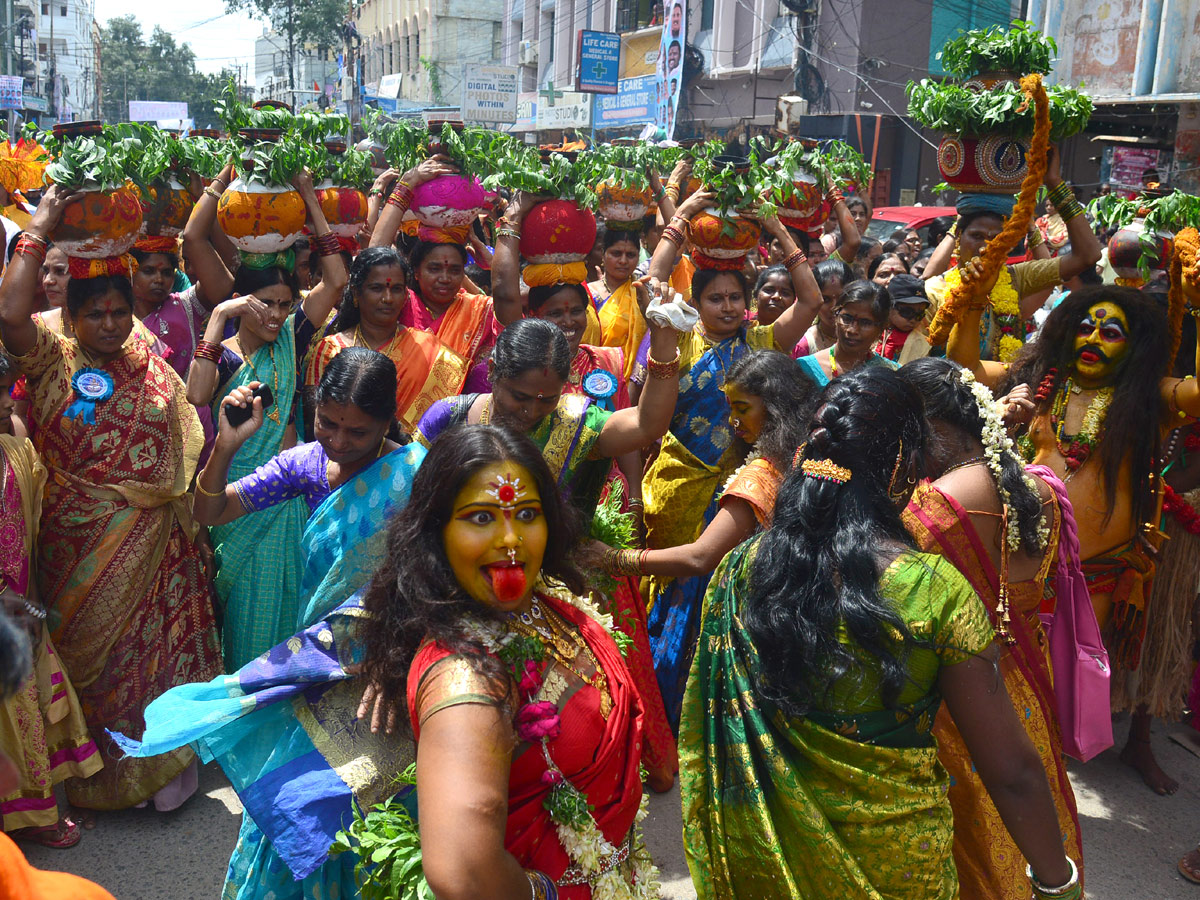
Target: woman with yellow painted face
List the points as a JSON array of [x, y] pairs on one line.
[[527, 724]]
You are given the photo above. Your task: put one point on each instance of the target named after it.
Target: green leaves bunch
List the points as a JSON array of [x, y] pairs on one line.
[[954, 109], [833, 163], [388, 844], [206, 156], [406, 142], [624, 165], [522, 169], [738, 188], [474, 150], [83, 162], [1166, 214], [1020, 48]]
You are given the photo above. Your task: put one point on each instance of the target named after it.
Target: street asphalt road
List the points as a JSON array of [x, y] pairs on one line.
[[1132, 838]]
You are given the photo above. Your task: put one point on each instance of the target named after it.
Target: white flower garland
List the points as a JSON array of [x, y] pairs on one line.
[[583, 841], [997, 443]]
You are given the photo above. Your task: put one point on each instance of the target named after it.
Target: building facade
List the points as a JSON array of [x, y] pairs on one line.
[[414, 51], [66, 68], [315, 74]]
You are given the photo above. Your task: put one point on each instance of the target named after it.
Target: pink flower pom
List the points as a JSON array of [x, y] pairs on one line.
[[551, 777], [538, 721], [531, 681]]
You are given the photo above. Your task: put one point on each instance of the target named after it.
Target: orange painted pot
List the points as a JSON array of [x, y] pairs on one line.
[[165, 208], [622, 204], [261, 218], [806, 209], [722, 238], [345, 208], [100, 224]]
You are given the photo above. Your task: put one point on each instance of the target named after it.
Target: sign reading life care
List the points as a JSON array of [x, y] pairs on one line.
[[633, 104], [599, 62], [489, 94]]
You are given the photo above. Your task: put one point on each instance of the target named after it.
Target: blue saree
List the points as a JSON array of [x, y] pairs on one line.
[[283, 727]]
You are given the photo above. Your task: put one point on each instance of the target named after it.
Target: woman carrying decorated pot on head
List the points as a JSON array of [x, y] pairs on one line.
[[258, 556], [446, 204], [683, 484], [370, 316], [115, 554]]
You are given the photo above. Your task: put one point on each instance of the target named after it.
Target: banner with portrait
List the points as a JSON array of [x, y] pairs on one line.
[[669, 69]]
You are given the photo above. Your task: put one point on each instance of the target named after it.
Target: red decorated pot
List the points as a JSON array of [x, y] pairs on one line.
[[1125, 250], [165, 208], [557, 231], [618, 204], [723, 238], [261, 218], [806, 209], [100, 224], [446, 207], [345, 208], [991, 164]]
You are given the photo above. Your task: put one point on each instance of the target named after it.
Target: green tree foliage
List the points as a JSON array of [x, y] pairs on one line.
[[301, 22], [156, 69]]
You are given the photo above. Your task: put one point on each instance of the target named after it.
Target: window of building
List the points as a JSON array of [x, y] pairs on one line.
[[62, 11], [706, 15], [552, 37], [45, 9], [635, 14], [42, 50]]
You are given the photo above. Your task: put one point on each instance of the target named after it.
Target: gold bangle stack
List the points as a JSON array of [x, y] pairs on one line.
[[663, 370], [626, 563]]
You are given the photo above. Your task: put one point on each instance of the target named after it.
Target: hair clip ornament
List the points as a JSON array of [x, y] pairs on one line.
[[825, 470]]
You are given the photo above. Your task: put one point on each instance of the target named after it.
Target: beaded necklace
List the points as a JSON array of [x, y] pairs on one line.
[[1076, 448]]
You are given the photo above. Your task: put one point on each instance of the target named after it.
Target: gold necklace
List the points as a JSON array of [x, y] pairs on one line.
[[360, 341], [273, 415], [560, 639]]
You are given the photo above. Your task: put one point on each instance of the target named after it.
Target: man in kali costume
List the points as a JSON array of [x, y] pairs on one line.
[[1103, 405]]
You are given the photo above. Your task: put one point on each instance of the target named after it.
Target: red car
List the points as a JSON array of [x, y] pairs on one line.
[[888, 218]]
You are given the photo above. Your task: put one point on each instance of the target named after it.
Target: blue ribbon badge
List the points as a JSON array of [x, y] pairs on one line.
[[91, 386], [600, 384]]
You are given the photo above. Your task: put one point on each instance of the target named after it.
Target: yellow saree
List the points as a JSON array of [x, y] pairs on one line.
[[622, 324]]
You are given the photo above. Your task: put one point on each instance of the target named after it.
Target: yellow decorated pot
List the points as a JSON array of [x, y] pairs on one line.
[[622, 204], [100, 224], [345, 208], [723, 238], [261, 218], [165, 208]]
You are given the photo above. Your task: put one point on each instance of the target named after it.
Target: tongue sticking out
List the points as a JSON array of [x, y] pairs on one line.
[[508, 582]]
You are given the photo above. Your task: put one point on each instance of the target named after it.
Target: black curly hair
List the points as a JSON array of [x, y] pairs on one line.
[[349, 314], [1131, 429], [414, 596], [788, 395], [948, 399], [816, 574]]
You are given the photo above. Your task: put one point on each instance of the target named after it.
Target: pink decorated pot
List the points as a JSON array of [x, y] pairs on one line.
[[991, 164], [446, 207]]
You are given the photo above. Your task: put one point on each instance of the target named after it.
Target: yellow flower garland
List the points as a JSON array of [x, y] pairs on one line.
[[1006, 311], [1183, 294]]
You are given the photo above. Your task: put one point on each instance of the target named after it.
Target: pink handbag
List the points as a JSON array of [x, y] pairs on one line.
[[1077, 655]]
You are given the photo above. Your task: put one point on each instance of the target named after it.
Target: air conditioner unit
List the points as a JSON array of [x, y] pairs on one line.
[[527, 53], [788, 110]]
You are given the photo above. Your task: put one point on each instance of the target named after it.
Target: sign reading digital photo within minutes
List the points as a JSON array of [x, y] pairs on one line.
[[489, 94], [599, 55]]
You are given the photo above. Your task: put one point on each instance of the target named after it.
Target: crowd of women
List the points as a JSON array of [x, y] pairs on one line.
[[324, 515]]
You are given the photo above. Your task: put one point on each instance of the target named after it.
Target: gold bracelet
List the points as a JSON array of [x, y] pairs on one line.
[[212, 192], [200, 490], [663, 370]]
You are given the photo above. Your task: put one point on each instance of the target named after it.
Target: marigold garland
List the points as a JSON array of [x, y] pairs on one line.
[[996, 251], [1187, 248], [1006, 312]]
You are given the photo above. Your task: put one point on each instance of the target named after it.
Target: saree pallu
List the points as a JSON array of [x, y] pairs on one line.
[[623, 325], [426, 370], [258, 554], [659, 754], [42, 729], [599, 756], [284, 730], [345, 539], [681, 491], [468, 327], [989, 863], [776, 806], [115, 556]]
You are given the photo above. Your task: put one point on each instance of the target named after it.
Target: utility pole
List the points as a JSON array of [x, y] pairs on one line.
[[291, 38], [53, 103]]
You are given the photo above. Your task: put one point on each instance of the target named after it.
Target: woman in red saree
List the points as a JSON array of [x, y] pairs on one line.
[[516, 691], [960, 515], [116, 562]]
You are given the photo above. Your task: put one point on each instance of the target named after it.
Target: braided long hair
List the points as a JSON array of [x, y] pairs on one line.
[[817, 568]]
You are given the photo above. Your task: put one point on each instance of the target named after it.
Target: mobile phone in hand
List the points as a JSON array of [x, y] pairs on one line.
[[239, 414]]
